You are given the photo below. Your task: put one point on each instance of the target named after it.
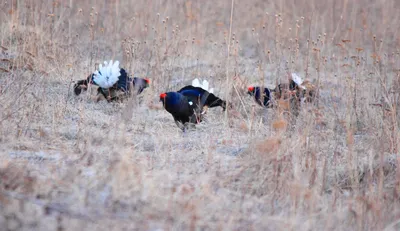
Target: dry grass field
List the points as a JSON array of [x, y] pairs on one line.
[[69, 163]]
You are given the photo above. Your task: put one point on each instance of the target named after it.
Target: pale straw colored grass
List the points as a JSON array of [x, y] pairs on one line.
[[68, 163]]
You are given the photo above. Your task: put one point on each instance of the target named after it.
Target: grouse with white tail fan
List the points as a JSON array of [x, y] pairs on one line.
[[108, 75], [190, 103]]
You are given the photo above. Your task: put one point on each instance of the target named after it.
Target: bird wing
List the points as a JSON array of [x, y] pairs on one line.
[[107, 75], [191, 88]]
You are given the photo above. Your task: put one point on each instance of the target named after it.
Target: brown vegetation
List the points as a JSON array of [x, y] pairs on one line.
[[69, 163]]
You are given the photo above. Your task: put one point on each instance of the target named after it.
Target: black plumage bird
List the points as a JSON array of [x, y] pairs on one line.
[[121, 87], [196, 93], [183, 109], [262, 96]]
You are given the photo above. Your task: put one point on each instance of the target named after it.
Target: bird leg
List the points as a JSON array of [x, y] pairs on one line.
[[109, 96], [180, 125]]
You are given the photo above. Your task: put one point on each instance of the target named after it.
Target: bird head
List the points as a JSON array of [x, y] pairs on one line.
[[163, 96], [147, 82], [82, 84], [250, 90], [77, 89], [224, 105]]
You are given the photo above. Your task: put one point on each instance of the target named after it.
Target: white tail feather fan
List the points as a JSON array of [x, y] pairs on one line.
[[204, 85], [107, 75], [297, 79]]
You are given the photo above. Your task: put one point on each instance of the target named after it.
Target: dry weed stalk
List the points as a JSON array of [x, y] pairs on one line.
[[67, 160]]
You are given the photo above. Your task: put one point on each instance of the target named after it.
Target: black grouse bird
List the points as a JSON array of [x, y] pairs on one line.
[[112, 91], [184, 110], [262, 97]]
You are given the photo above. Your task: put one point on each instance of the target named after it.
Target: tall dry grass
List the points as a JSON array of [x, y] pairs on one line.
[[68, 163]]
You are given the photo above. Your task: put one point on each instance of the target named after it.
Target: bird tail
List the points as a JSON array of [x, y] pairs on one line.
[[107, 75], [204, 85], [297, 79]]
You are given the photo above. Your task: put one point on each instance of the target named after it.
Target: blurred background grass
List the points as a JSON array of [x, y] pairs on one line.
[[71, 164]]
